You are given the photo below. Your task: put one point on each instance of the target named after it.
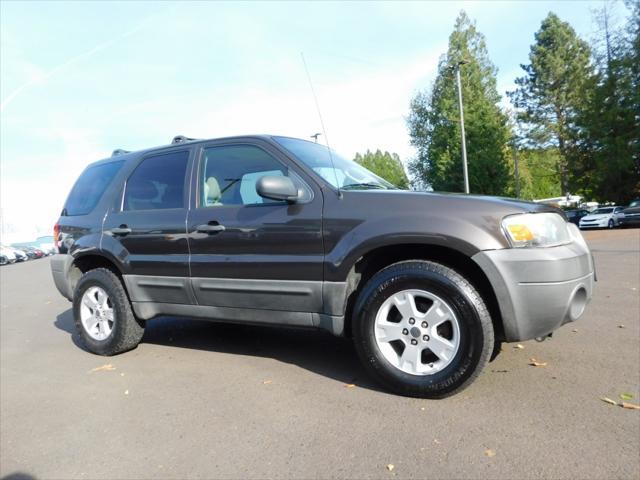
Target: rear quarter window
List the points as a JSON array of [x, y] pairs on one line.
[[89, 188]]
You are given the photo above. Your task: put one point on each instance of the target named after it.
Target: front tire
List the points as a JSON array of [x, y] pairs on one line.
[[610, 225], [103, 316], [422, 330]]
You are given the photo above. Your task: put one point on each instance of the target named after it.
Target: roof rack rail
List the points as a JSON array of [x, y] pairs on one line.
[[182, 139], [119, 151]]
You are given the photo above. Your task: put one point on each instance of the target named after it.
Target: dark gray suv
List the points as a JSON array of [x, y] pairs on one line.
[[281, 231]]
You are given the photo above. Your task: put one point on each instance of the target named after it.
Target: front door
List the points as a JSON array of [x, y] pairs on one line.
[[247, 251], [148, 229]]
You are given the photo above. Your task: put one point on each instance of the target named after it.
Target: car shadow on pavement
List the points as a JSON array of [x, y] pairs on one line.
[[18, 476], [313, 350], [64, 321]]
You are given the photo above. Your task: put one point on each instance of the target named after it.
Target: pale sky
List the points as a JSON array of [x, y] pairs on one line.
[[80, 79]]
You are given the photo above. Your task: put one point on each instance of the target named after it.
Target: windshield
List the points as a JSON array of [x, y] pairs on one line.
[[602, 210], [347, 175]]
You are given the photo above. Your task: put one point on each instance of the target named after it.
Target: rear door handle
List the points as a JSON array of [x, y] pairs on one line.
[[122, 230], [210, 227]]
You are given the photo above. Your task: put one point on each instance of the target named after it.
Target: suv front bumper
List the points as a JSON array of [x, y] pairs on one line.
[[539, 289]]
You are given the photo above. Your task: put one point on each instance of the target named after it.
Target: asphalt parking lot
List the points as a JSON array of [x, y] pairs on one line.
[[205, 400]]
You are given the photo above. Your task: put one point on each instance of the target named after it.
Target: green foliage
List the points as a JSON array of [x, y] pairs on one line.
[[607, 161], [386, 165], [537, 173], [434, 122], [554, 90]]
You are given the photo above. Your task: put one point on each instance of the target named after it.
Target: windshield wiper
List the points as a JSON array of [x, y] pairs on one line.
[[363, 185]]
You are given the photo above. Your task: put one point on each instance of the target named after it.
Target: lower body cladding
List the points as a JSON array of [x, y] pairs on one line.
[[539, 289], [276, 302]]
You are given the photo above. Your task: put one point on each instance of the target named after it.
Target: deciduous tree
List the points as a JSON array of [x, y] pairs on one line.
[[386, 165]]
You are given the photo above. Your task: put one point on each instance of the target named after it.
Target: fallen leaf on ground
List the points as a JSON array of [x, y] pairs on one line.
[[631, 406], [519, 346], [436, 441], [575, 330], [122, 374], [620, 326], [626, 396], [103, 368], [499, 371], [490, 453], [390, 467], [534, 363], [267, 382], [126, 392], [608, 400], [422, 408], [350, 385]]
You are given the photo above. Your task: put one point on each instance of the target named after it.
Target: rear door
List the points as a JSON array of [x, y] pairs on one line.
[[261, 254], [146, 229]]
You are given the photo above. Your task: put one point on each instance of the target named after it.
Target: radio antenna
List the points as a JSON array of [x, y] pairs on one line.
[[324, 130]]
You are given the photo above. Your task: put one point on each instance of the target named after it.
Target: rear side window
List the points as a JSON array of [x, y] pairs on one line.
[[157, 183], [89, 188]]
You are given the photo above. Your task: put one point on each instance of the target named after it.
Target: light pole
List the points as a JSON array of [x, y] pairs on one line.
[[464, 143]]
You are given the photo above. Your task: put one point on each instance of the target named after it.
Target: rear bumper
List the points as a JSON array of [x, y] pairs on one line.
[[539, 289], [60, 265]]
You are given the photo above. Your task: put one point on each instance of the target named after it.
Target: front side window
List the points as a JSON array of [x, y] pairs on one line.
[[89, 188], [230, 173], [333, 168], [157, 183]]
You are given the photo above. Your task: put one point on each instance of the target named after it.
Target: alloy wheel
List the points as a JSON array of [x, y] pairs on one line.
[[417, 332], [96, 313]]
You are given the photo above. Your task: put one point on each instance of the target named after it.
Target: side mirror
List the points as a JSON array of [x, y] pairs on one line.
[[277, 188]]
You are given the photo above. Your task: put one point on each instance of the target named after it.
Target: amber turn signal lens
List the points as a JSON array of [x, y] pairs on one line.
[[520, 233]]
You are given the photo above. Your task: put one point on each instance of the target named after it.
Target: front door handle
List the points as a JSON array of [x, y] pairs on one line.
[[122, 230], [211, 227]]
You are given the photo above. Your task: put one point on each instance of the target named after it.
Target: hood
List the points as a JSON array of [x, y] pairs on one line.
[[597, 216], [461, 202]]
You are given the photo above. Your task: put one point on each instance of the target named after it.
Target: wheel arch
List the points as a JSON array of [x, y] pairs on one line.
[[378, 258], [85, 262]]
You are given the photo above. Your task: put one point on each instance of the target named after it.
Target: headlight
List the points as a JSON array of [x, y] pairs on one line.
[[536, 230]]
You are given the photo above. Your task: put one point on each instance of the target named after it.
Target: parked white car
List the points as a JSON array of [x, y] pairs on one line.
[[604, 217], [7, 255], [19, 254]]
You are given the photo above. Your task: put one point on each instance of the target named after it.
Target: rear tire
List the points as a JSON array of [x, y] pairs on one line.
[[103, 316], [438, 362]]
